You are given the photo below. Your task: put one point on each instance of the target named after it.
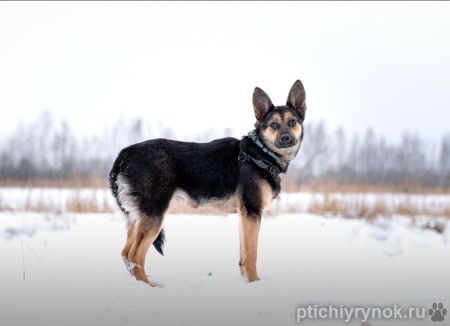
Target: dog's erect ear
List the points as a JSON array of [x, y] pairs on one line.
[[261, 103], [297, 97]]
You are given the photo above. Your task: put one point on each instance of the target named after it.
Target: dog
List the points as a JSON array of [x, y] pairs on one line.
[[233, 175]]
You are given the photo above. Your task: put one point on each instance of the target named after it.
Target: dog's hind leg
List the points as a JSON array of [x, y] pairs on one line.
[[128, 243], [144, 194], [144, 232]]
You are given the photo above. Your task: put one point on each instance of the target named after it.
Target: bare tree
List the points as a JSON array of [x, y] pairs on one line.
[[45, 149]]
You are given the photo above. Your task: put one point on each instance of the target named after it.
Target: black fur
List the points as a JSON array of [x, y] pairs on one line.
[[159, 242], [154, 169]]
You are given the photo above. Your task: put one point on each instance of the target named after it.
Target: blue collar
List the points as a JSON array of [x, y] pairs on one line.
[[253, 136]]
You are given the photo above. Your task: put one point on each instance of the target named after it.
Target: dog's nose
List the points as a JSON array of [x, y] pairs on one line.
[[285, 138]]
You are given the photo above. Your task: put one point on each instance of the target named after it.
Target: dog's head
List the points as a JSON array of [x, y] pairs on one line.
[[281, 127]]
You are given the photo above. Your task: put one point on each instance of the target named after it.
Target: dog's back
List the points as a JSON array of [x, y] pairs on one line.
[[145, 176]]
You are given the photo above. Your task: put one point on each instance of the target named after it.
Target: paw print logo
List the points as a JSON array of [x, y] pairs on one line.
[[437, 312]]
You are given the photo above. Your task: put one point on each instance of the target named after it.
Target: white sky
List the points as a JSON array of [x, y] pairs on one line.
[[193, 66]]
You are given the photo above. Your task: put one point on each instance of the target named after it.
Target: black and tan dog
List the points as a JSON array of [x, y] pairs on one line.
[[235, 175]]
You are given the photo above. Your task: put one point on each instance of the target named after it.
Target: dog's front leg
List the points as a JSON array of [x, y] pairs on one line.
[[241, 252], [249, 230]]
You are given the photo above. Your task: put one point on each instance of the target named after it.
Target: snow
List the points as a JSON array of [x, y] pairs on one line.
[[57, 199], [74, 273]]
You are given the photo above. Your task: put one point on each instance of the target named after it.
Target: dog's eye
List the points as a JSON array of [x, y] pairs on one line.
[[274, 125], [292, 122]]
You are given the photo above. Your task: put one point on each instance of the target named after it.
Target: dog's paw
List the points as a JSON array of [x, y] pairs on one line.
[[252, 278]]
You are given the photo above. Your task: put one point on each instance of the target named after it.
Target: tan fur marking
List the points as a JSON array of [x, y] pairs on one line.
[[129, 241], [266, 194], [142, 236], [249, 231], [297, 130], [269, 133], [288, 116], [276, 117]]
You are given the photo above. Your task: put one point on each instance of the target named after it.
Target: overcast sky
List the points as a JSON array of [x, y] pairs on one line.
[[193, 66]]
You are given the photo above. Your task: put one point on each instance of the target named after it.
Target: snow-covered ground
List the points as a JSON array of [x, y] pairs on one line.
[[66, 270]]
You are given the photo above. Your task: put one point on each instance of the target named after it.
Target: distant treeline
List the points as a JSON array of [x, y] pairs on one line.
[[48, 150]]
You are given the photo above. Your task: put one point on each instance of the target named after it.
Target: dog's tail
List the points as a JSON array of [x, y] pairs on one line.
[[159, 242]]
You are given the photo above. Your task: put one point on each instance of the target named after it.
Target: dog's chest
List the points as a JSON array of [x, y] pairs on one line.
[[266, 194]]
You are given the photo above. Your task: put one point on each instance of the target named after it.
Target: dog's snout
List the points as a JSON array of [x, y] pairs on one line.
[[285, 138]]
